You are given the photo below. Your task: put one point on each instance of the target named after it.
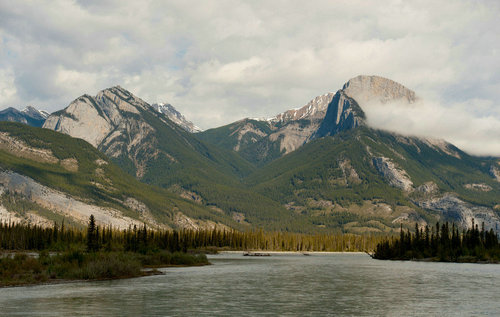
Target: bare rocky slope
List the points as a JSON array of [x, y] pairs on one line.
[[48, 177]]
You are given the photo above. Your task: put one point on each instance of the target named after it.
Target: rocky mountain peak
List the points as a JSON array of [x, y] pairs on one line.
[[29, 115], [314, 109], [35, 113], [346, 109], [377, 89], [175, 116]]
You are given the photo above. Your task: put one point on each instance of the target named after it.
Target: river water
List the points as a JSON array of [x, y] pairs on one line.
[[283, 285]]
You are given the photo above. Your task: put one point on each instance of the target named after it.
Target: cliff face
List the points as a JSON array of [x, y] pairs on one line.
[[113, 121], [375, 88]]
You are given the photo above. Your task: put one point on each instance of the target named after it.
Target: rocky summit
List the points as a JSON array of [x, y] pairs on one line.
[[320, 167], [176, 117], [28, 115]]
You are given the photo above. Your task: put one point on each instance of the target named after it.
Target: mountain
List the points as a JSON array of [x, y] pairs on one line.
[[29, 116], [176, 117], [47, 176], [344, 112], [318, 168], [385, 177], [149, 146], [143, 140], [262, 140]]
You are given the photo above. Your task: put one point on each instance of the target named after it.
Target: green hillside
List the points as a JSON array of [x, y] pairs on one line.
[[114, 184], [312, 175], [254, 146]]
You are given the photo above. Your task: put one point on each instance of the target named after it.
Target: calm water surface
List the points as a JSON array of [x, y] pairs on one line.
[[285, 285]]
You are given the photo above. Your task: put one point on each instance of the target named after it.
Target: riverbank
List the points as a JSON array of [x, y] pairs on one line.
[[21, 269], [290, 252]]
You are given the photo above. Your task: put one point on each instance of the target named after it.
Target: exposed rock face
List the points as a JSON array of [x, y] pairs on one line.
[[375, 88], [314, 109], [246, 134], [463, 213], [293, 135], [295, 127], [176, 117], [350, 174], [74, 121], [428, 188], [443, 146], [186, 194], [478, 187], [111, 122], [61, 203], [396, 176], [29, 116], [495, 173], [345, 111], [183, 221], [343, 114], [410, 218], [21, 149]]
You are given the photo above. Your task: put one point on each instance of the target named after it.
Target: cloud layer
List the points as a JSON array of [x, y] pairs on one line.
[[219, 61], [472, 132]]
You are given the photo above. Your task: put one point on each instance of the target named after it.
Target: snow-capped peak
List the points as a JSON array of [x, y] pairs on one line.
[[314, 108], [175, 116], [35, 113]]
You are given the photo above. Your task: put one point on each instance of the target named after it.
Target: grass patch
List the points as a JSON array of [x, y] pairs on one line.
[[22, 269]]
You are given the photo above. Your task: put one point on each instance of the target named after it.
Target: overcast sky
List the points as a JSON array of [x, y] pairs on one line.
[[220, 61]]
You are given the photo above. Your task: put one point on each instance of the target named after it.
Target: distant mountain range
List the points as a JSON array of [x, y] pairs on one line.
[[318, 168], [28, 115]]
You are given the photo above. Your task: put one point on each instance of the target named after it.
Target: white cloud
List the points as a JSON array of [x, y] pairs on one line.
[[461, 124], [219, 61]]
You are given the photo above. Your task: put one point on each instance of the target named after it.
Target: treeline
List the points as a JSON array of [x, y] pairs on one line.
[[442, 243], [142, 239]]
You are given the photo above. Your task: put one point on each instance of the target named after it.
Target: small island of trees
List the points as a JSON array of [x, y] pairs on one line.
[[443, 243]]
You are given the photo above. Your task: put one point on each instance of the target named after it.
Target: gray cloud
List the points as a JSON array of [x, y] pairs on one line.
[[219, 61]]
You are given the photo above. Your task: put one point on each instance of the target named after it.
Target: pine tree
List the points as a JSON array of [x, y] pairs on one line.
[[92, 243]]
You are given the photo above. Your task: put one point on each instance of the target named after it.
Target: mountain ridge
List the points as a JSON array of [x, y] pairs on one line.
[[28, 115], [318, 168]]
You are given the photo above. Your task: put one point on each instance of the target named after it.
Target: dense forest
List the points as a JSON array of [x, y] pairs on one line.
[[442, 243], [142, 239]]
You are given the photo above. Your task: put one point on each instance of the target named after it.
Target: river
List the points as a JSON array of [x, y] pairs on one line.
[[284, 285]]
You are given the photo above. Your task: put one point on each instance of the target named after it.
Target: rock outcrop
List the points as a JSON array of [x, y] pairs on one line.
[[495, 173], [463, 213], [58, 203], [396, 176]]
